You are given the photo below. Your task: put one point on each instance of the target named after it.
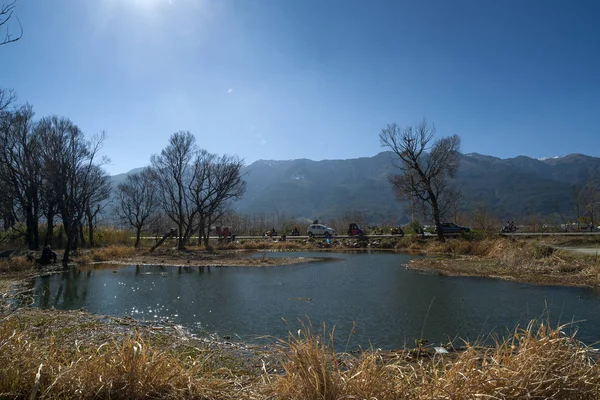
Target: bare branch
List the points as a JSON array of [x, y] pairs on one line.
[[425, 168], [6, 13]]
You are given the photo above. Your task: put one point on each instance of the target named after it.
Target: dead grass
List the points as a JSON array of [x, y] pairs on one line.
[[15, 264], [75, 355], [109, 253], [520, 260], [74, 360], [536, 362]]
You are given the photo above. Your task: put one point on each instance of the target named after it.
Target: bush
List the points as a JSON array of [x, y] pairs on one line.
[[413, 228], [14, 264], [542, 250]]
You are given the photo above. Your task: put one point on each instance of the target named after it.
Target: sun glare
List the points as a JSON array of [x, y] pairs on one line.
[[147, 4]]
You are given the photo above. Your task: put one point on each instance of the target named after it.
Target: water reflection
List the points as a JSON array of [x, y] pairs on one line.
[[391, 306]]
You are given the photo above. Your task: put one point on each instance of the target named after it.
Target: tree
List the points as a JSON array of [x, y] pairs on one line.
[[20, 166], [224, 184], [71, 168], [173, 173], [587, 203], [137, 201], [425, 168], [6, 13], [195, 187], [97, 191]]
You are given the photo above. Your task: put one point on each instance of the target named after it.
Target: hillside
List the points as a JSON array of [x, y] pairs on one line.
[[509, 188]]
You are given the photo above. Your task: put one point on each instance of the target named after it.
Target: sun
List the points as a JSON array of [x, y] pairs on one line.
[[147, 4], [139, 5]]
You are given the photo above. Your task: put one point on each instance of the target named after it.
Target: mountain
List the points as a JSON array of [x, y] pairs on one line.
[[321, 189], [508, 188]]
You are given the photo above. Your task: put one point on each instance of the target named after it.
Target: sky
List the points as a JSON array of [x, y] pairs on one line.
[[316, 79]]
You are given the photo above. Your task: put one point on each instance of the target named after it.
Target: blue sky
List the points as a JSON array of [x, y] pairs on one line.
[[283, 79]]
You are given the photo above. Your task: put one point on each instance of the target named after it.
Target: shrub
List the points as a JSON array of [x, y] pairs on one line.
[[413, 228], [15, 264]]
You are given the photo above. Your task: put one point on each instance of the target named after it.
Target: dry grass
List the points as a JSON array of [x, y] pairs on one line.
[[74, 355], [109, 253], [15, 264], [521, 260], [112, 236], [536, 362], [85, 361]]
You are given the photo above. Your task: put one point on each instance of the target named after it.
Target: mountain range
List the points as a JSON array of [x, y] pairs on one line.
[[507, 188]]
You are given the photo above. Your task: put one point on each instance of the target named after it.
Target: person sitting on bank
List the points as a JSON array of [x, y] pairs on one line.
[[48, 256]]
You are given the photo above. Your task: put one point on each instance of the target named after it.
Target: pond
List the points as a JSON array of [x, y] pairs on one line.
[[372, 295]]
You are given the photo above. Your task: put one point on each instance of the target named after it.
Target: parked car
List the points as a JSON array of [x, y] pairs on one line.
[[355, 230], [451, 227], [320, 230]]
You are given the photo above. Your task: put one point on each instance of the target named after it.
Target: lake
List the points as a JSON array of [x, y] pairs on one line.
[[388, 305]]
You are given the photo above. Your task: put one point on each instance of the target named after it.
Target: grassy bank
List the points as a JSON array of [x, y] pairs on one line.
[[75, 355], [524, 260]]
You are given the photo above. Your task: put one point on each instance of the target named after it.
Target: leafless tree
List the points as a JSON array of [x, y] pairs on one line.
[[195, 186], [425, 167], [6, 14], [137, 201], [97, 192], [173, 174], [224, 185], [587, 204], [481, 217], [71, 168], [20, 166]]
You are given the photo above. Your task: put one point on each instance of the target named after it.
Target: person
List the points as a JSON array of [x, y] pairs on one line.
[[48, 256]]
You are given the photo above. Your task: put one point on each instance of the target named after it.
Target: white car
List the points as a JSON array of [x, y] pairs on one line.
[[320, 230]]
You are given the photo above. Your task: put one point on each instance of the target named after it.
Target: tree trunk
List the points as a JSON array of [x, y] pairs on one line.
[[50, 227], [206, 237], [138, 234], [81, 237], [90, 218], [436, 216], [30, 227]]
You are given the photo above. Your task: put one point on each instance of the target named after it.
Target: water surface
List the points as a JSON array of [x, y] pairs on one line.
[[389, 305]]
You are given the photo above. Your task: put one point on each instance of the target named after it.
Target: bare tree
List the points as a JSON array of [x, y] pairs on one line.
[[425, 167], [6, 13], [137, 201], [97, 191], [224, 185], [20, 166], [174, 174], [71, 167], [587, 203]]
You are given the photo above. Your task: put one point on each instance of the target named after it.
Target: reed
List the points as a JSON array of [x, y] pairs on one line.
[[65, 363], [74, 355], [110, 253], [535, 362]]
